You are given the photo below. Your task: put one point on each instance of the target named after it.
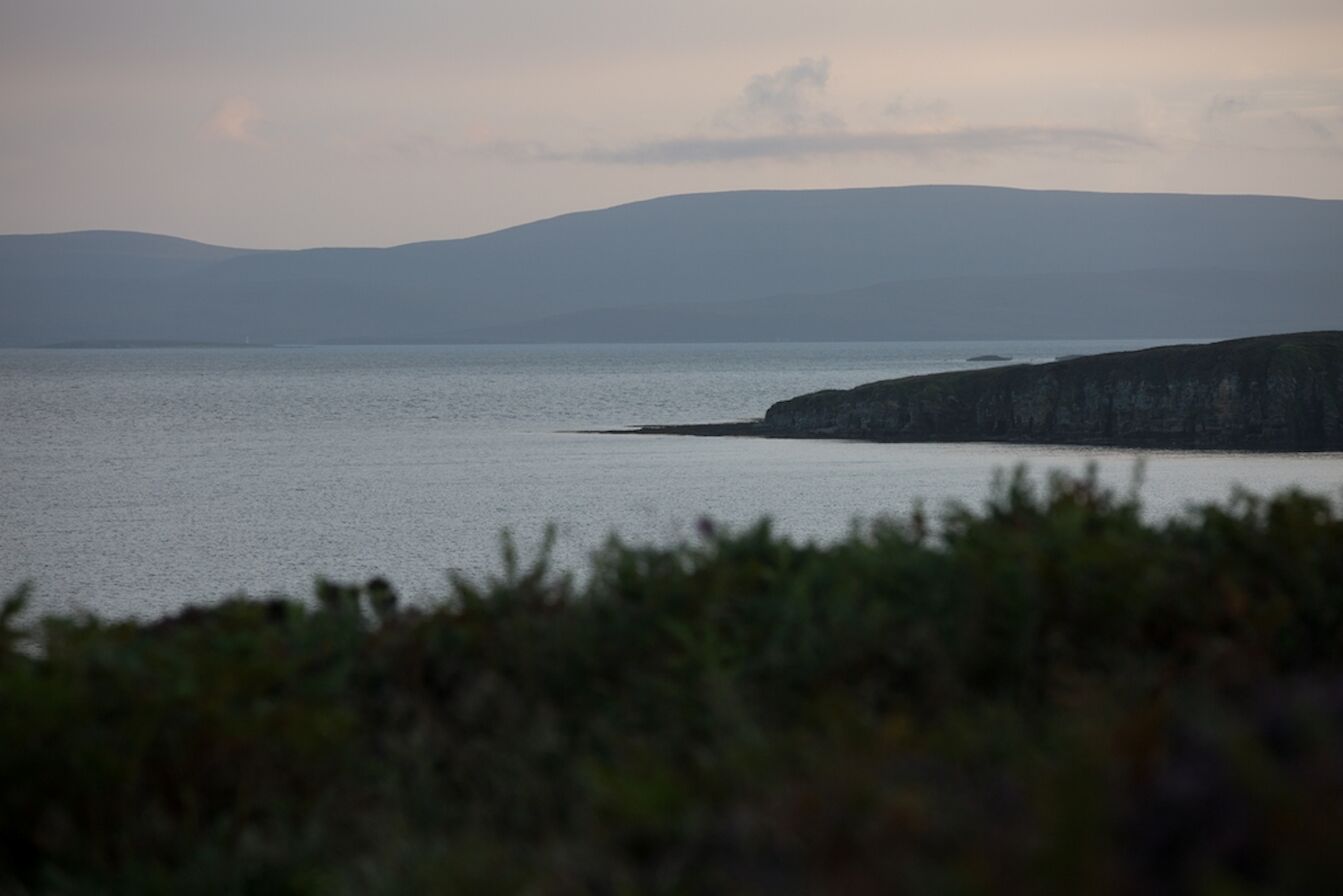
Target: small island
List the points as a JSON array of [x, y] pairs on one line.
[[989, 358], [1265, 393]]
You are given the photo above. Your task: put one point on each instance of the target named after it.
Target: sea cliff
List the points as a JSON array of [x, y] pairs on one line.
[[1271, 393]]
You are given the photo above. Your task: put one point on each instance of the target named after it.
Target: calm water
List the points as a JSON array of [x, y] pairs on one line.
[[134, 481]]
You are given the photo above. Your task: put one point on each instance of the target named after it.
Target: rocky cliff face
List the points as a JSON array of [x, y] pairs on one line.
[[1271, 393]]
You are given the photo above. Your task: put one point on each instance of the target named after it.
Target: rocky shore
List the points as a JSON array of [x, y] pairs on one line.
[[1266, 393]]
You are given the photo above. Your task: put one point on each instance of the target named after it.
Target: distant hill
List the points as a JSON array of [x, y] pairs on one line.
[[1127, 305], [105, 255], [949, 262]]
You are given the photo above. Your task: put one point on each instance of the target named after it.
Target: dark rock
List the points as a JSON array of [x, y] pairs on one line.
[[741, 428], [989, 358], [1267, 393]]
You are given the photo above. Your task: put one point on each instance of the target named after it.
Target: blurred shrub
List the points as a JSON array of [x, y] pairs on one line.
[[1047, 695]]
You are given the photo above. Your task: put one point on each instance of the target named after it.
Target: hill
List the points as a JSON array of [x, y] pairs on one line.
[[995, 248], [1126, 305]]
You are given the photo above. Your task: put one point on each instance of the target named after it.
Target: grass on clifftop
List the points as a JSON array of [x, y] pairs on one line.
[[1051, 696]]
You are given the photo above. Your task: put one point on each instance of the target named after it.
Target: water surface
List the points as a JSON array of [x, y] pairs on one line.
[[132, 481]]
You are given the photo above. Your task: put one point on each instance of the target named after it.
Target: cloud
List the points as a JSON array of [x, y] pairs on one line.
[[1310, 124], [798, 147], [419, 147], [1277, 115], [906, 109], [235, 121], [788, 99], [1228, 107], [789, 123]]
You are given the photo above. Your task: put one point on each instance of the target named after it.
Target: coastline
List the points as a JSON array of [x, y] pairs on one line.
[[757, 430], [1269, 394]]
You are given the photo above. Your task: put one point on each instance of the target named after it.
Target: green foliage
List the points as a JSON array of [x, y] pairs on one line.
[[1047, 695]]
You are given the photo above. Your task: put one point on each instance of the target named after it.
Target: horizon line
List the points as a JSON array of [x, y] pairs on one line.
[[661, 198]]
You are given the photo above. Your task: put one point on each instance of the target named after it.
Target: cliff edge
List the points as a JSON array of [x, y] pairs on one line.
[[1266, 393]]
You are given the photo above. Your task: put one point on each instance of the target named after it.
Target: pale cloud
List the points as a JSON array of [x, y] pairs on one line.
[[1278, 115], [236, 120], [790, 99], [1228, 107], [1094, 143], [418, 147], [782, 116], [907, 109]]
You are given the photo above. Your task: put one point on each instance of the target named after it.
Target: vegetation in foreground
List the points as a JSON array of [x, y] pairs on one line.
[[1047, 696]]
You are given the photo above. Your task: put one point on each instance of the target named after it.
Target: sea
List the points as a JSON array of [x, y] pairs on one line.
[[136, 481]]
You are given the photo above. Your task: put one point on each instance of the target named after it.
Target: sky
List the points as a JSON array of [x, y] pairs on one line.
[[295, 123]]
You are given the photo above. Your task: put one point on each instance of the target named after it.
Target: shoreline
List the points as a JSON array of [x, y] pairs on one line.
[[757, 429], [1280, 394]]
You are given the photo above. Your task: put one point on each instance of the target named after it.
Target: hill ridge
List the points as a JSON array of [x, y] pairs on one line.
[[715, 247]]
